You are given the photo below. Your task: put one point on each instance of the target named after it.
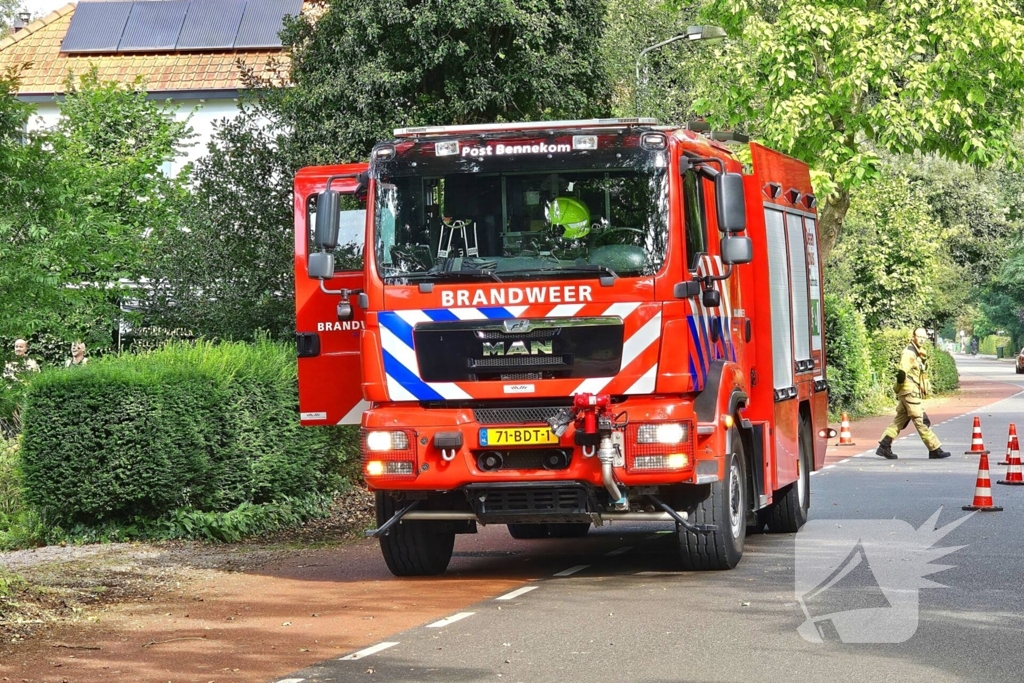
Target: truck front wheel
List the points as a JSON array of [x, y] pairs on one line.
[[413, 548], [726, 508]]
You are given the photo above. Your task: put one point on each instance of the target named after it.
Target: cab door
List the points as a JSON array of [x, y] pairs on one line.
[[330, 376]]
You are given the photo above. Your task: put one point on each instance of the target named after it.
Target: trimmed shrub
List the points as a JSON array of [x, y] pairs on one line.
[[846, 355], [199, 426], [942, 368]]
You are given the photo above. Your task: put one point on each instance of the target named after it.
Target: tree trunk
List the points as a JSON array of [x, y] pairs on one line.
[[830, 221]]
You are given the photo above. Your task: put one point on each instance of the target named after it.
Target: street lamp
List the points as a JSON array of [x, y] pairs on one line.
[[706, 34]]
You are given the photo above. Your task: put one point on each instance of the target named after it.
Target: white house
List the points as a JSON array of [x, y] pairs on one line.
[[187, 51]]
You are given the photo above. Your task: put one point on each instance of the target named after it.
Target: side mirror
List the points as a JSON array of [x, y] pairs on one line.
[[736, 250], [328, 219], [686, 289], [731, 205], [321, 265], [711, 298]]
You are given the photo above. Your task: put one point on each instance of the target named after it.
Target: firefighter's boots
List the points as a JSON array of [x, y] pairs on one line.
[[885, 448]]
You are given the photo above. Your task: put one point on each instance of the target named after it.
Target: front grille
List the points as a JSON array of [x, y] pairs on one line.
[[517, 361], [520, 376], [548, 333], [514, 415], [466, 351]]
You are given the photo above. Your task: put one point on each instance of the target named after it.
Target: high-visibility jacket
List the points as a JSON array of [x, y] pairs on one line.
[[912, 376]]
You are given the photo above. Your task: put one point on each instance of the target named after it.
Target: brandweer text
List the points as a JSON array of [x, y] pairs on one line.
[[553, 294]]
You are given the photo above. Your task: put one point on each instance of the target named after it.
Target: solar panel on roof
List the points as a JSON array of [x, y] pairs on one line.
[[152, 26], [96, 27], [211, 24], [263, 21]]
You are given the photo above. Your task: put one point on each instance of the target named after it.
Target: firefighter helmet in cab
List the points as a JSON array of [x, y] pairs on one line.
[[571, 215]]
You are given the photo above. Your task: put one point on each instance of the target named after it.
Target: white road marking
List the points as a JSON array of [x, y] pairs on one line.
[[619, 551], [450, 620], [572, 570], [291, 680], [373, 649], [516, 593]]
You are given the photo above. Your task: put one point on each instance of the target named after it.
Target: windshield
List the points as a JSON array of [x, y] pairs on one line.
[[501, 209]]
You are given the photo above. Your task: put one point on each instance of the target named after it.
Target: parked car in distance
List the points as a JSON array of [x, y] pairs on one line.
[[1020, 362]]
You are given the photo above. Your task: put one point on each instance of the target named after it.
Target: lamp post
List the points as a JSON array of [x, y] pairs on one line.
[[706, 34]]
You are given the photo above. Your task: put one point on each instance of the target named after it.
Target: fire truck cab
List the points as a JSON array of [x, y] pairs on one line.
[[554, 325]]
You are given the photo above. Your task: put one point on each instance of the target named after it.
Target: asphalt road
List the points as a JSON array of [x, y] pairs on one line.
[[621, 612]]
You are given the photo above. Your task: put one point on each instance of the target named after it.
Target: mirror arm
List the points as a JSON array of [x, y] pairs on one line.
[[708, 279], [344, 293], [704, 161]]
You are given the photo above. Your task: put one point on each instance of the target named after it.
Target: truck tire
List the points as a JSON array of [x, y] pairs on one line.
[[413, 548], [525, 532], [726, 508], [569, 530], [788, 514]]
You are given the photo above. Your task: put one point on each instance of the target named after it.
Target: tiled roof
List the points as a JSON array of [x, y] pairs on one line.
[[39, 45]]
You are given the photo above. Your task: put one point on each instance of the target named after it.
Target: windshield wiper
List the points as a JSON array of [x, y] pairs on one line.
[[447, 274], [472, 272], [588, 269]]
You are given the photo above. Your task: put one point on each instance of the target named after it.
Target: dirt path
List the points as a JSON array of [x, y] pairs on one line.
[[191, 612]]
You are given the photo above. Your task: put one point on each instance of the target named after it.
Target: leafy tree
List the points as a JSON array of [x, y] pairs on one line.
[[367, 66], [668, 75], [833, 81], [226, 271], [893, 264], [81, 200]]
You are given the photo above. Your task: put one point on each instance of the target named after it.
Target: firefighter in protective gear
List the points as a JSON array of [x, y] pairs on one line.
[[912, 385]]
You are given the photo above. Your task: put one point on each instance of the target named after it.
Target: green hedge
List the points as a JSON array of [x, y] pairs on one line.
[[943, 371], [887, 347], [196, 426], [846, 354], [988, 345]]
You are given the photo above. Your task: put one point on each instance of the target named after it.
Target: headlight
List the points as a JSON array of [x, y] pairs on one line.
[[661, 432], [387, 441]]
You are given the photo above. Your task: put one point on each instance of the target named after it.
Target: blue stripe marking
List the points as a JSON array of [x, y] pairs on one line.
[[695, 339], [404, 376], [705, 340], [396, 326], [697, 384], [495, 313], [441, 315]]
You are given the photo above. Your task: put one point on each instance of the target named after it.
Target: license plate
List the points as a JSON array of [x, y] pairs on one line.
[[518, 436]]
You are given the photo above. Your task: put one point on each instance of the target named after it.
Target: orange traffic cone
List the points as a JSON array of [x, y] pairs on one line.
[[845, 438], [1013, 473], [977, 445], [983, 489], [1011, 443]]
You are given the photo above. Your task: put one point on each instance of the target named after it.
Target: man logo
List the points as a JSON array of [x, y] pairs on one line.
[[857, 580], [518, 348], [519, 326]]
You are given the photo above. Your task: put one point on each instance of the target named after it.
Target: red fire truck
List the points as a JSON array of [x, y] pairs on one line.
[[554, 325]]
